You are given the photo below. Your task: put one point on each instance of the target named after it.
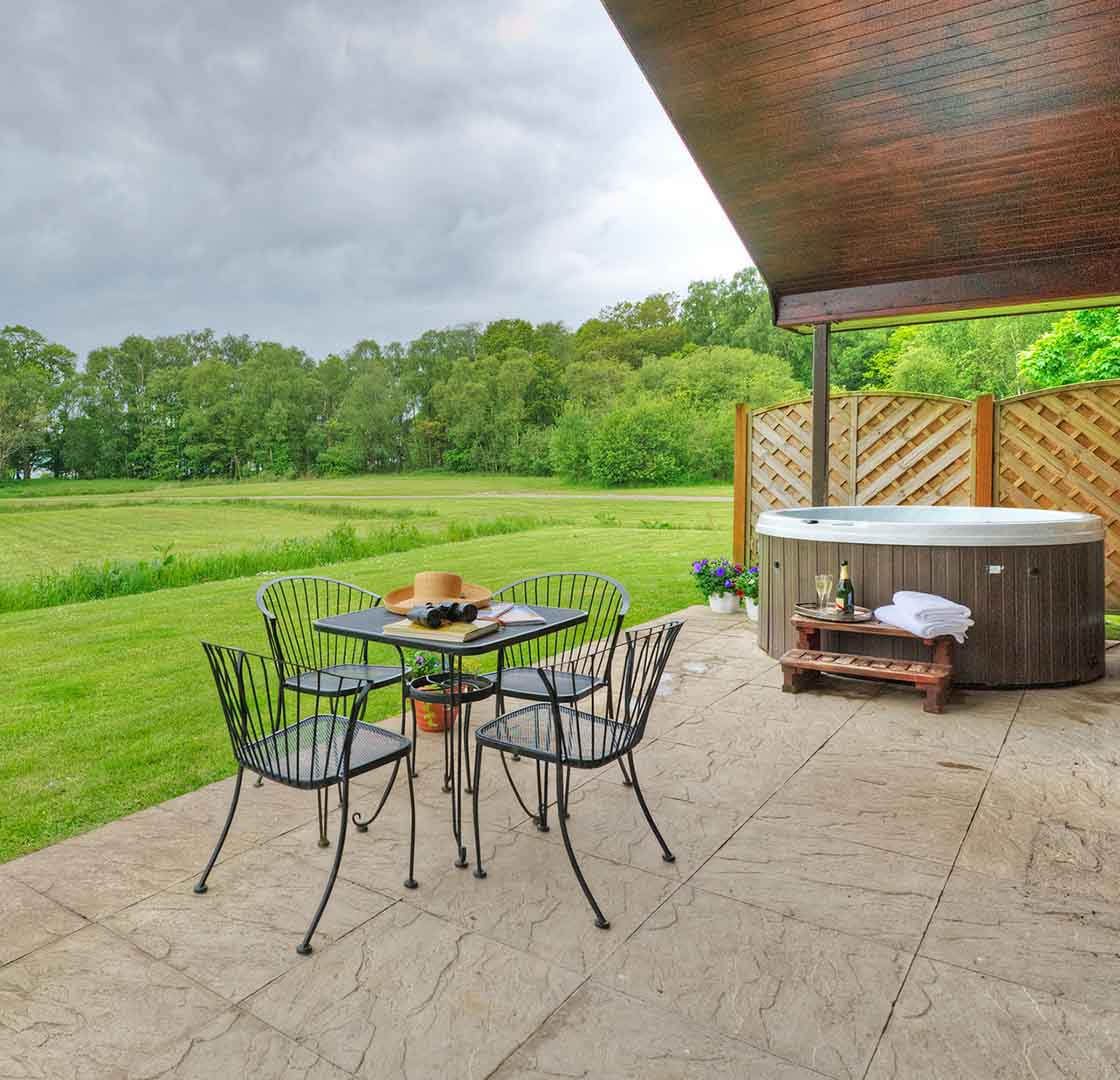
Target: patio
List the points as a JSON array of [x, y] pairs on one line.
[[861, 889]]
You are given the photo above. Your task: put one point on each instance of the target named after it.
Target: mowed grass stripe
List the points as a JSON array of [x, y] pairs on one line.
[[404, 485], [112, 578], [108, 707]]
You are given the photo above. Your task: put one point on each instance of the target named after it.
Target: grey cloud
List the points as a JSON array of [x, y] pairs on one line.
[[320, 172]]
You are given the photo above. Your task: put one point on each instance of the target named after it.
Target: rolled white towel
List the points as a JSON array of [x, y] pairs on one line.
[[925, 605], [955, 627]]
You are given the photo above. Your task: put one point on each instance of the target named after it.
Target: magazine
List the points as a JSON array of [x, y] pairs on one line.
[[510, 615]]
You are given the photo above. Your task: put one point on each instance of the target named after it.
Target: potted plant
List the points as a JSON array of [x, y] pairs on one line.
[[746, 585], [716, 578], [429, 715]]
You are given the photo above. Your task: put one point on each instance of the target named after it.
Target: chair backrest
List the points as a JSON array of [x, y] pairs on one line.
[[620, 727], [290, 606], [591, 644], [281, 721]]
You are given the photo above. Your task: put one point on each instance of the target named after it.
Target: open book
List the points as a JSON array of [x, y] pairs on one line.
[[510, 615]]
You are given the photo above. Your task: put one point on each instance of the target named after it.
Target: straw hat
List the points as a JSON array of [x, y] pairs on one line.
[[435, 587]]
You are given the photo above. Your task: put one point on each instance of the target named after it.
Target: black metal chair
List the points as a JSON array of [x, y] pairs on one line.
[[581, 737], [279, 730], [290, 605], [587, 651]]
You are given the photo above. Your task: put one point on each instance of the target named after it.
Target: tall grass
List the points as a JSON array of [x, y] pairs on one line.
[[167, 570], [317, 509]]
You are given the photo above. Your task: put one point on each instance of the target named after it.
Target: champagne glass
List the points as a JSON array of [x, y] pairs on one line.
[[823, 583]]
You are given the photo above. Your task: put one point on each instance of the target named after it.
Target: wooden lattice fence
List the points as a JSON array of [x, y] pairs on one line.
[[1055, 449], [884, 449], [1060, 450]]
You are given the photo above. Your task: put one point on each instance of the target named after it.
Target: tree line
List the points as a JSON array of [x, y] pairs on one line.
[[642, 393]]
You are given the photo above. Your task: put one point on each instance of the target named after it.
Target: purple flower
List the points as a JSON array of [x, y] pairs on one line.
[[696, 567], [720, 571], [754, 569]]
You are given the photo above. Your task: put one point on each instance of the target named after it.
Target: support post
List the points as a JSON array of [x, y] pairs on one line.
[[821, 336], [740, 525], [983, 449]]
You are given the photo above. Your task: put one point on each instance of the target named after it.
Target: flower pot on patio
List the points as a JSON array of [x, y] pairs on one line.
[[726, 603], [752, 608], [432, 717]]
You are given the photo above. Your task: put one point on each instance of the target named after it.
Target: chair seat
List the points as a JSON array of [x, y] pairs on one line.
[[525, 684], [309, 754], [343, 679], [589, 740]]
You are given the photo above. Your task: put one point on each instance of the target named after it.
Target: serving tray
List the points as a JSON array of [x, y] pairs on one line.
[[831, 614]]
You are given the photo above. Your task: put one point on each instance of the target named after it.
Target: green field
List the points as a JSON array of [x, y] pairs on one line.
[[403, 485], [108, 706]]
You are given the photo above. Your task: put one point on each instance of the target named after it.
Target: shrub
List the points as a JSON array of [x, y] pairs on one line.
[[641, 444], [568, 446], [529, 455]]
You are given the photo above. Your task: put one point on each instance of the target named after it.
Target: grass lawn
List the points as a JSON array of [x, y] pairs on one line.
[[108, 706], [43, 540], [405, 485], [55, 534]]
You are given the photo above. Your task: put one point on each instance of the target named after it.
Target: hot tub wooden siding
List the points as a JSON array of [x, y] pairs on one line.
[[1039, 623]]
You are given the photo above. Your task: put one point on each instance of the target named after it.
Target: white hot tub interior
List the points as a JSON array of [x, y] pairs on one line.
[[939, 526]]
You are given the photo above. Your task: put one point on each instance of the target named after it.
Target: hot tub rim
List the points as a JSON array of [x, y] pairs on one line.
[[1021, 528]]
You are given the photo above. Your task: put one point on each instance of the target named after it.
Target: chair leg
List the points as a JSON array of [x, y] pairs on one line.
[[304, 947], [509, 776], [200, 886], [363, 825], [666, 854], [600, 918], [479, 872], [625, 775], [322, 806], [259, 782], [542, 797], [410, 881]]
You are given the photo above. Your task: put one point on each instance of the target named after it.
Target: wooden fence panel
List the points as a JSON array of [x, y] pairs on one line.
[[1060, 450], [883, 449], [915, 450], [1054, 450]]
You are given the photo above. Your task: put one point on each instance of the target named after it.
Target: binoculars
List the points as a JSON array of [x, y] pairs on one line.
[[435, 615]]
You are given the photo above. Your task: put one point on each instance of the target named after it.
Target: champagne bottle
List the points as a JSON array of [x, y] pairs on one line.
[[845, 592]]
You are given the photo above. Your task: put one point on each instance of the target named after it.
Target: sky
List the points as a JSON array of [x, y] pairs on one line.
[[319, 173]]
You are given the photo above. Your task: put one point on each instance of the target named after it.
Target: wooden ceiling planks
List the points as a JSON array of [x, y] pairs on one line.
[[900, 157]]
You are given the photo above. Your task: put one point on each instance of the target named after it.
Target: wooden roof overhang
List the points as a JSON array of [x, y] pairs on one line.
[[902, 160]]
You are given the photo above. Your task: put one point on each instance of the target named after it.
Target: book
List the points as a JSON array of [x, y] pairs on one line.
[[456, 632], [510, 615]]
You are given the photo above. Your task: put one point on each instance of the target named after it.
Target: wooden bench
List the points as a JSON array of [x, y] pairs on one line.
[[802, 666]]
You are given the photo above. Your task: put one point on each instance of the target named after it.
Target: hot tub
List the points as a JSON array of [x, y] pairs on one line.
[[1033, 578]]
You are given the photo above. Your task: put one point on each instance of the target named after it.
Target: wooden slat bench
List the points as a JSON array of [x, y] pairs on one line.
[[802, 666]]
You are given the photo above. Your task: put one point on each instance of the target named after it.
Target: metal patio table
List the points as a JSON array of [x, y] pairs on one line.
[[370, 624]]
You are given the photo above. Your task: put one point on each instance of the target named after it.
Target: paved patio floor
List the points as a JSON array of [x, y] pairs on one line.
[[861, 889]]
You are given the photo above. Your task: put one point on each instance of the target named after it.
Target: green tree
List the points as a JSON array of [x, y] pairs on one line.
[[33, 375], [1081, 346], [645, 443]]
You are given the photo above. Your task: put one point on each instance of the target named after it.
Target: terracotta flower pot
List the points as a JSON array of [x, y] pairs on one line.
[[432, 717]]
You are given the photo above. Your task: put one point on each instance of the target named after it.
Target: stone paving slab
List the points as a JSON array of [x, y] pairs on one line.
[[1066, 945], [30, 919], [832, 883], [951, 1024], [602, 1034], [821, 840], [413, 995], [812, 996], [255, 906], [127, 860]]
